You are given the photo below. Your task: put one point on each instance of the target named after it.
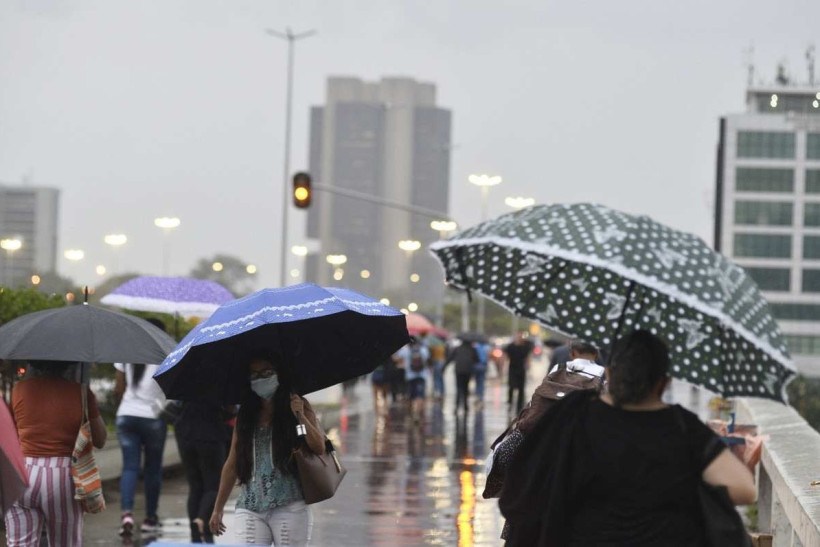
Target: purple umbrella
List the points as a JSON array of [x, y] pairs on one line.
[[182, 296]]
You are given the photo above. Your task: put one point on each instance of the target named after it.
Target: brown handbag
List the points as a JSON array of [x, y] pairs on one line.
[[320, 475]]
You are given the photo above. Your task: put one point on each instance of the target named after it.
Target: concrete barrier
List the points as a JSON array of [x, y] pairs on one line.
[[788, 504]]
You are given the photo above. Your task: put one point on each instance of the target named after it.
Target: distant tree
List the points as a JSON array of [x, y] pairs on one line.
[[109, 285], [233, 274], [54, 283]]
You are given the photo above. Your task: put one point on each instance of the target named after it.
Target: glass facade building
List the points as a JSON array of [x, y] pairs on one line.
[[768, 201]]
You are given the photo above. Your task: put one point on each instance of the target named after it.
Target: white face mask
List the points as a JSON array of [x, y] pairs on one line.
[[265, 387]]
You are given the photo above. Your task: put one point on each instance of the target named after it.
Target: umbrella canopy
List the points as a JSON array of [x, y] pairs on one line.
[[594, 273], [13, 476], [325, 335], [86, 334], [417, 324], [185, 296]]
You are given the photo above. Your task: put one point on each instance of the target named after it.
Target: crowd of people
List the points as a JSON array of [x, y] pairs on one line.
[[614, 465]]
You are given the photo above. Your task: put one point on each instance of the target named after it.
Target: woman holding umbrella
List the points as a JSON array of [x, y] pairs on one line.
[[271, 508]]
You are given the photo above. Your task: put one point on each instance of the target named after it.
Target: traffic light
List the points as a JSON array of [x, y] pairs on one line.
[[301, 190]]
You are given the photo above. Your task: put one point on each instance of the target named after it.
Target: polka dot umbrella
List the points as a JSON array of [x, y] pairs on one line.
[[594, 273]]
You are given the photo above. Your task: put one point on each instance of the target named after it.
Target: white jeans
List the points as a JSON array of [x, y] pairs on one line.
[[288, 525]]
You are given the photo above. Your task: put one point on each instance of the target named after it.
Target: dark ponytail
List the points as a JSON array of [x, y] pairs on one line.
[[639, 361]]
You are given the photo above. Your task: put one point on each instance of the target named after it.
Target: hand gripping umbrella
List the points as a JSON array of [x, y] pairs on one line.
[[325, 336], [596, 273]]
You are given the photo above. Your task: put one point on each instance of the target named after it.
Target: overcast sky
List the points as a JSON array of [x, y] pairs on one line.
[[138, 109]]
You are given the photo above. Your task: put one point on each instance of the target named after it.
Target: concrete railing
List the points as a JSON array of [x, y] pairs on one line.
[[788, 504]]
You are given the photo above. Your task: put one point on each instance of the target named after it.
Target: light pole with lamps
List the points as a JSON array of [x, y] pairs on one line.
[[337, 261], [10, 245], [291, 38], [517, 202], [74, 255], [485, 182], [443, 227], [410, 246], [167, 224], [115, 241]]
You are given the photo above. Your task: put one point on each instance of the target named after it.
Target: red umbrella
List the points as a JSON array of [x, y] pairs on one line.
[[418, 324], [13, 475]]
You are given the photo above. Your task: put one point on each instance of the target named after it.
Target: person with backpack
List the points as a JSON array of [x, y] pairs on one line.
[[464, 357], [414, 357]]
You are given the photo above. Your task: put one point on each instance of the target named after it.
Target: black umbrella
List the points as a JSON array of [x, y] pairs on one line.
[[85, 334]]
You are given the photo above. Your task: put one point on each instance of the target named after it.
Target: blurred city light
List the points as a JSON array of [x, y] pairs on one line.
[[166, 223], [251, 269], [115, 240], [299, 250], [217, 266], [336, 260], [365, 274], [35, 279], [100, 270], [409, 245], [74, 254], [485, 180], [518, 202]]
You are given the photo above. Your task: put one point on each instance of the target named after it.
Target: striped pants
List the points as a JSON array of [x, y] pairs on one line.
[[48, 501]]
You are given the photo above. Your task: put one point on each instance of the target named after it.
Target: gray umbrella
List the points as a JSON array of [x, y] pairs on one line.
[[595, 273], [84, 334]]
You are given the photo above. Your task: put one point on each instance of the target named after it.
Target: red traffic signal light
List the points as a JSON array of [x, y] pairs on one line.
[[301, 190]]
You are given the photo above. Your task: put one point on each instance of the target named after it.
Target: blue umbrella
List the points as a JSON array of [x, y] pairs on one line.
[[326, 336]]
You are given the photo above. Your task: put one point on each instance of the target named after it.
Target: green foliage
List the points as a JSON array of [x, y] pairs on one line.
[[804, 396], [233, 275], [17, 302]]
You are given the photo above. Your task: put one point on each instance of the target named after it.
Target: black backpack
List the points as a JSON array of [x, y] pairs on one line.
[[416, 358]]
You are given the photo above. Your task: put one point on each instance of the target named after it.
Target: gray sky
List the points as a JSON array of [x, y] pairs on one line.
[[172, 107]]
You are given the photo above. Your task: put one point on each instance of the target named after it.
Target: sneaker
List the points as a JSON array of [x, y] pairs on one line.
[[127, 525], [151, 525]]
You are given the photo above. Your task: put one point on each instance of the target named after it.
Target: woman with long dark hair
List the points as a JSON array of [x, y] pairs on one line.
[[621, 468], [270, 509]]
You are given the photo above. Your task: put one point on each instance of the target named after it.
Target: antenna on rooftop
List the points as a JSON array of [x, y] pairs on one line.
[[748, 60], [810, 62]]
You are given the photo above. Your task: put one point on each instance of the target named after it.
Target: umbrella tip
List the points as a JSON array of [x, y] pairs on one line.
[[85, 295]]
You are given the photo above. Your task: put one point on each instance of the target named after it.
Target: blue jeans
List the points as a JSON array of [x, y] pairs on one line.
[[480, 374], [135, 434], [438, 378]]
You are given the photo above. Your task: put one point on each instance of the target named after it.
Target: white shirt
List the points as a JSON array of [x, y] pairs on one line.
[[144, 400]]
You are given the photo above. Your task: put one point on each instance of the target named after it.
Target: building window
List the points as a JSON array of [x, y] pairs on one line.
[[813, 181], [811, 280], [811, 247], [765, 144], [811, 214], [813, 146], [763, 246], [803, 345], [751, 179], [770, 279], [763, 213], [796, 312]]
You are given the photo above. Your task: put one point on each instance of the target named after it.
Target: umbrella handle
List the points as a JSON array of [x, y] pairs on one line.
[[301, 430]]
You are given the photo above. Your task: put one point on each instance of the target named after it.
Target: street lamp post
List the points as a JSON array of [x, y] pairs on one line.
[[115, 241], [443, 227], [410, 246], [10, 245], [291, 39], [485, 182], [167, 224], [517, 202], [337, 261]]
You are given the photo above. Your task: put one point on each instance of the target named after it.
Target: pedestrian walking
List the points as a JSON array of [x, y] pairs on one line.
[[438, 356], [464, 358], [270, 509], [141, 433], [482, 350], [414, 358], [518, 357], [620, 468], [202, 433], [47, 410], [381, 385]]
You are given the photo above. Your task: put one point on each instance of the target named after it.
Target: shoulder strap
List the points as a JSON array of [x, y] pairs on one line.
[[84, 397]]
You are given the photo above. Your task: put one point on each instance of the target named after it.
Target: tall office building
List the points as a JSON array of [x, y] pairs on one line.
[[768, 206], [388, 140], [28, 214]]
